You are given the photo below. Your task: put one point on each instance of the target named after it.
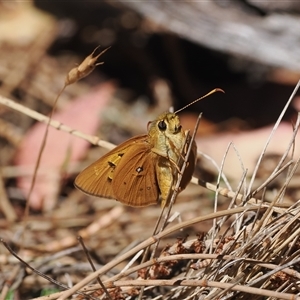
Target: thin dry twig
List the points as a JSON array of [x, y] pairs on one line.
[[79, 238], [238, 256], [149, 242], [271, 135], [206, 283], [94, 140]]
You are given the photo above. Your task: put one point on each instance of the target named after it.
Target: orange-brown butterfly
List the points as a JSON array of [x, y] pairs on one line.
[[139, 170]]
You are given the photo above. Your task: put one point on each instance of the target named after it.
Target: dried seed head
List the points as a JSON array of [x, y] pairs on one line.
[[85, 68]]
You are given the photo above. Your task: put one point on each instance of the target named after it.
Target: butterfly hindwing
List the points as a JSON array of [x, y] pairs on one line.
[[135, 184]]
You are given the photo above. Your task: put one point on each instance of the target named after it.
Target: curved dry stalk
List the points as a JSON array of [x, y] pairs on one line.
[[112, 281], [216, 166], [233, 200], [268, 274], [149, 242], [88, 256], [271, 178], [271, 135], [63, 286], [229, 194], [182, 165], [205, 283]]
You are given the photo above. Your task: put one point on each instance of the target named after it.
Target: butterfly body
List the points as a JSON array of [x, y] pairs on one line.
[[139, 170]]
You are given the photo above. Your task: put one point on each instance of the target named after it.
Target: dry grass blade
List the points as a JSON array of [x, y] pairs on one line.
[[272, 133], [148, 242], [55, 124], [79, 238], [31, 268], [254, 255], [252, 251], [206, 283], [182, 163]]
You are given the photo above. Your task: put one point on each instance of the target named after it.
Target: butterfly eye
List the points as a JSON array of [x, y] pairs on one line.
[[162, 125]]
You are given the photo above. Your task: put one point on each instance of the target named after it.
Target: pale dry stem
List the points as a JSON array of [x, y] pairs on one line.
[[260, 257]]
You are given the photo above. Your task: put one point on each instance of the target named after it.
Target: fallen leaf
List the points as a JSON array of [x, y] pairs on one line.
[[82, 114]]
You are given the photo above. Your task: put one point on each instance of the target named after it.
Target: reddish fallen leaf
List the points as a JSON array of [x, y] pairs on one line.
[[82, 114]]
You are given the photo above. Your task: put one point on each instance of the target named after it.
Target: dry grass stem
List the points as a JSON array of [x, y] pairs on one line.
[[251, 251], [247, 248], [94, 140], [272, 133]]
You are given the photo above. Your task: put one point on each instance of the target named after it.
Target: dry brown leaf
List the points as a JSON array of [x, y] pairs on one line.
[[82, 114]]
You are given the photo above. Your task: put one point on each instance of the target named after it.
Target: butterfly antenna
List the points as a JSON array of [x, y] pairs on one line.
[[208, 94]]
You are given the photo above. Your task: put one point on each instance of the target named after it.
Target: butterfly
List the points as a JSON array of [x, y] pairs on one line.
[[142, 170], [139, 170]]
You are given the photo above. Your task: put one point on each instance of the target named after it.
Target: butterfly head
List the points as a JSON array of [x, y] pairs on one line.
[[165, 124], [166, 132]]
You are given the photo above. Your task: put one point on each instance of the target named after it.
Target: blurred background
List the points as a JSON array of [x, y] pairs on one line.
[[163, 53], [248, 48]]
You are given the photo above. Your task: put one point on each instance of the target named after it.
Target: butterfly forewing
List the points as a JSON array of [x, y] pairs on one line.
[[97, 178], [94, 180], [135, 184]]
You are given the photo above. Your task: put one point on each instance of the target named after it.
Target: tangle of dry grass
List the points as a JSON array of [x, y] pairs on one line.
[[252, 251]]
